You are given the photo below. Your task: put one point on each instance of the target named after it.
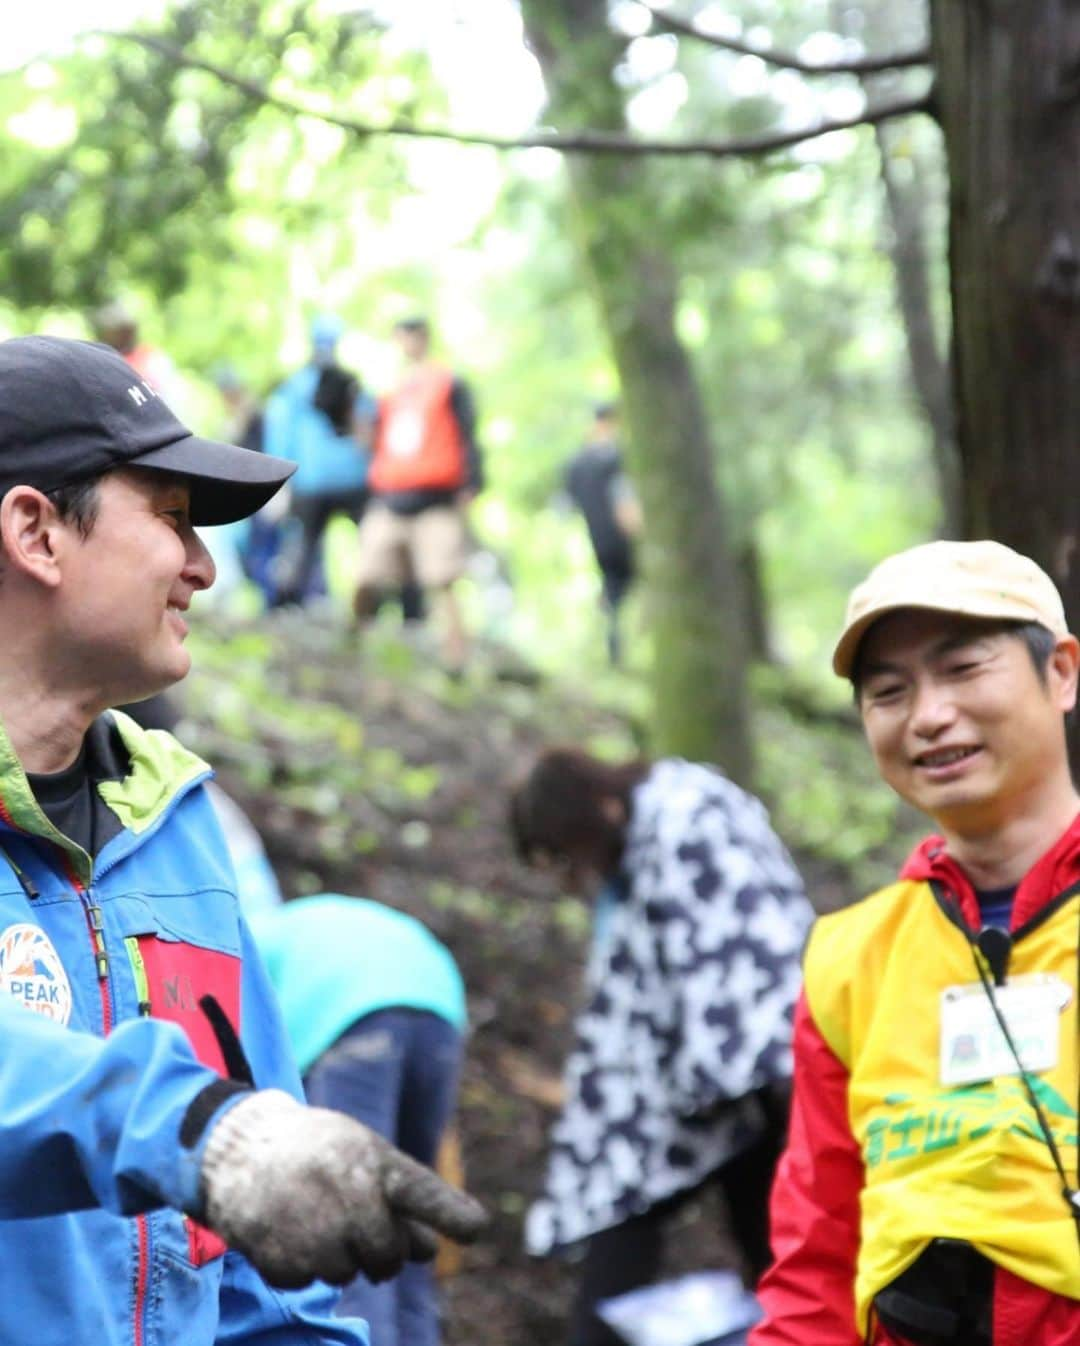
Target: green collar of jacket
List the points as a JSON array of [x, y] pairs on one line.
[[138, 790]]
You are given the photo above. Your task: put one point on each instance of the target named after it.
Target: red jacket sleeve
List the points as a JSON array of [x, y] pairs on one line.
[[808, 1294]]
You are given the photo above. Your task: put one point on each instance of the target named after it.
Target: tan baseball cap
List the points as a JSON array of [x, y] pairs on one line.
[[971, 579]]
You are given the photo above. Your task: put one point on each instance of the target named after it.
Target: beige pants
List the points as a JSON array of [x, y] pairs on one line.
[[430, 547]]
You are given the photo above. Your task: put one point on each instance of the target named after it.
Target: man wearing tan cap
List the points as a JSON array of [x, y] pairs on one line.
[[928, 1194]]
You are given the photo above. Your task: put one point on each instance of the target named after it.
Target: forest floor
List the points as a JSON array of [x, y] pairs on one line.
[[369, 772]]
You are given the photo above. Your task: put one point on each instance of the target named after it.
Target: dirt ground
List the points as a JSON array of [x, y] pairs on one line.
[[441, 854]]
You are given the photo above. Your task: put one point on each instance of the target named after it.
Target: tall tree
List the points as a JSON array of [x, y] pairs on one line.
[[905, 202], [1007, 83], [912, 180], [693, 595]]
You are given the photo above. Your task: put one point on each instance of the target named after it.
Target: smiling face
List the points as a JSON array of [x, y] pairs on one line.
[[960, 723], [117, 614]]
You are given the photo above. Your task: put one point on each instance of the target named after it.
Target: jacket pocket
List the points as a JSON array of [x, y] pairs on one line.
[[171, 977]]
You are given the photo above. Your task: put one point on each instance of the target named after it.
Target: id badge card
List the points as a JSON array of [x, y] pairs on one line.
[[973, 1047]]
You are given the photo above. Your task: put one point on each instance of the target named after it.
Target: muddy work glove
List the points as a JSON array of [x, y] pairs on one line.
[[306, 1193]]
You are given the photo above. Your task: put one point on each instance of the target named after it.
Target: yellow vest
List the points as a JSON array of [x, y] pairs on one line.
[[965, 1162]]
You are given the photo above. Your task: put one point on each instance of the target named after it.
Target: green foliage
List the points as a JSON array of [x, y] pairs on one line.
[[171, 186], [570, 915], [573, 917], [293, 737], [488, 909]]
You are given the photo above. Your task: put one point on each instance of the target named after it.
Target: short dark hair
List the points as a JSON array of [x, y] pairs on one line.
[[557, 810], [416, 322], [1037, 639], [1040, 642], [78, 503]]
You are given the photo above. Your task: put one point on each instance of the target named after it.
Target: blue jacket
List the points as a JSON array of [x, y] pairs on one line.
[[90, 1158], [334, 959], [294, 428]]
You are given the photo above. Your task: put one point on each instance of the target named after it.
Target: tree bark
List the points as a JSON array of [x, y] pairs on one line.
[[927, 361], [693, 599], [759, 646], [1009, 99], [908, 194]]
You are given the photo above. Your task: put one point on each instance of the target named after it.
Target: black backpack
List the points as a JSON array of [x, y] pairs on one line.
[[335, 396]]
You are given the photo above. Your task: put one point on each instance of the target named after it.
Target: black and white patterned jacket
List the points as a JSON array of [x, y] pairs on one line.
[[689, 1000]]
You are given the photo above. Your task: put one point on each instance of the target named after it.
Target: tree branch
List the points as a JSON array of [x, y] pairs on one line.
[[865, 65], [579, 142]]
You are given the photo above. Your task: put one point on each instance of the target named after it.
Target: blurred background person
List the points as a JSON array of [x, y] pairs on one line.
[[260, 542], [319, 418], [681, 1071], [596, 482], [117, 326], [374, 1008], [243, 423], [425, 471]]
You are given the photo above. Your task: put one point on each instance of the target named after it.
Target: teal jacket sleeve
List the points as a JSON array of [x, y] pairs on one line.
[[262, 1028], [89, 1121]]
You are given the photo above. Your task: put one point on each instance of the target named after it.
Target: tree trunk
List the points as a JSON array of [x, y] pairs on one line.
[[759, 645], [1009, 98], [907, 193], [693, 599], [930, 374]]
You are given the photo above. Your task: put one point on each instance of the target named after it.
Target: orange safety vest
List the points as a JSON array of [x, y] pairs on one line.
[[956, 1162], [147, 363], [418, 442]]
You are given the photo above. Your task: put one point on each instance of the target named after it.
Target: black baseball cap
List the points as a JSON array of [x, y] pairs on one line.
[[70, 410]]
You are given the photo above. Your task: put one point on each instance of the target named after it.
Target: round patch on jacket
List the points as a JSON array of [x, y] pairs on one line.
[[31, 972]]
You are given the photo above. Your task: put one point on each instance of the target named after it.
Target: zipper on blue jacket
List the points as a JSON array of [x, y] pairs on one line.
[[97, 925]]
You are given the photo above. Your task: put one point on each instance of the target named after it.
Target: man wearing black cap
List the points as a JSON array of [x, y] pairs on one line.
[[146, 1072]]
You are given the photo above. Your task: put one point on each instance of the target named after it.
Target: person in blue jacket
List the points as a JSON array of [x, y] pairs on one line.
[[320, 419], [160, 1178], [374, 1006]]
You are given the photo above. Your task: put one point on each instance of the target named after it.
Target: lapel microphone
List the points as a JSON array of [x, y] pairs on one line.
[[995, 945]]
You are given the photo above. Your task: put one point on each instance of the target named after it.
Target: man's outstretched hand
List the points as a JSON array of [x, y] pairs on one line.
[[306, 1193]]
